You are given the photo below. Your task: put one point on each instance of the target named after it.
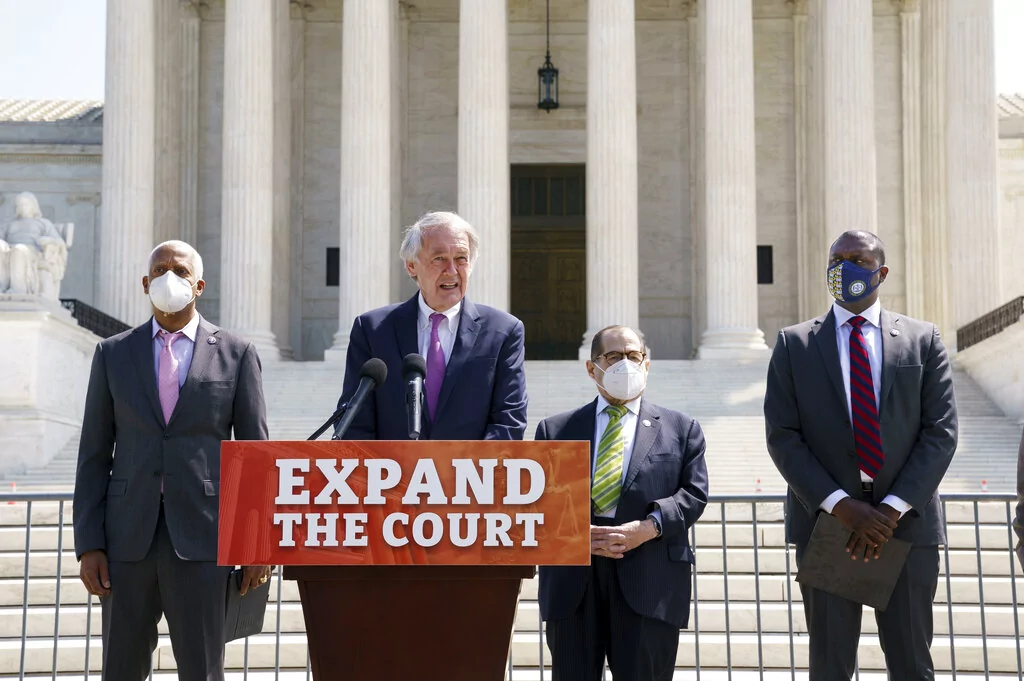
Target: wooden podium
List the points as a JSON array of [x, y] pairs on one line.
[[398, 590]]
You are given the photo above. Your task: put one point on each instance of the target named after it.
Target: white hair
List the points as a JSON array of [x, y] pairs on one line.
[[34, 211], [195, 259], [412, 241]]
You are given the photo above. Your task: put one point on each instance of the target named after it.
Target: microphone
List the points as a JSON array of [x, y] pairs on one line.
[[372, 375], [414, 369]]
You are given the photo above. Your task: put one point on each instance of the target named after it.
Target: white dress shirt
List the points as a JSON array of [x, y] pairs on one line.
[[629, 421], [872, 332], [446, 330], [181, 348]]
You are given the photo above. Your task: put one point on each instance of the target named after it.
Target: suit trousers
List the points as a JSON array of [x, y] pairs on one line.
[[904, 629], [191, 594], [638, 648]]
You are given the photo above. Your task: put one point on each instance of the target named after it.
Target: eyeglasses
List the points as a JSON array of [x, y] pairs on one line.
[[636, 357]]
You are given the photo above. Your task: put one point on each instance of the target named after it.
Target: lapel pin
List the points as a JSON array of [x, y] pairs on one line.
[[647, 423], [211, 340], [894, 332]]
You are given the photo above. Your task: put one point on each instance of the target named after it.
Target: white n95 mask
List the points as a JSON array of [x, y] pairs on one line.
[[170, 293], [624, 380]]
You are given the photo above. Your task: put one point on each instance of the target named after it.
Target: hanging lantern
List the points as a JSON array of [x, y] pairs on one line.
[[547, 75]]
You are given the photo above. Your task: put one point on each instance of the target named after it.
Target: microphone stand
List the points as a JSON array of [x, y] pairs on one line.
[[335, 417]]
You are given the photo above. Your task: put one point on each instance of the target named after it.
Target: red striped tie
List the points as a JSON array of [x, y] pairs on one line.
[[866, 432]]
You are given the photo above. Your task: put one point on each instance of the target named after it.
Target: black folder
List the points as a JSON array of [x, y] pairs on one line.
[[827, 566], [245, 614]]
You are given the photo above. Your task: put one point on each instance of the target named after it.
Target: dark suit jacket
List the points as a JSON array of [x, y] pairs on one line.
[[667, 471], [483, 396], [126, 447], [810, 436]]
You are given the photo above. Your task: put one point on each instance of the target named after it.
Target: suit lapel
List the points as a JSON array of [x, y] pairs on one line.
[[581, 427], [406, 334], [141, 343], [824, 336], [643, 441], [469, 328], [892, 348], [203, 352]]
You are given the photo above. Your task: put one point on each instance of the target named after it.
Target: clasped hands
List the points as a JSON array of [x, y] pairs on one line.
[[872, 527], [614, 541]]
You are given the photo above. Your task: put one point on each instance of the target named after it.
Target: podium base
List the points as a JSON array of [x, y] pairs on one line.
[[402, 622]]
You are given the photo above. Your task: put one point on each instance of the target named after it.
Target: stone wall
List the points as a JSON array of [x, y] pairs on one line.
[[1011, 216]]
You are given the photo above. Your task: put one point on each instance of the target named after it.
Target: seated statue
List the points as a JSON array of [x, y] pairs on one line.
[[33, 251]]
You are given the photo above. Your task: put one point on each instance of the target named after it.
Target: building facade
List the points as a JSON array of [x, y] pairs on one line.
[[702, 157]]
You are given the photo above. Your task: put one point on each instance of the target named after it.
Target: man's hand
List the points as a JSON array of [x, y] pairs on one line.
[[871, 527], [94, 573], [254, 576], [615, 541]]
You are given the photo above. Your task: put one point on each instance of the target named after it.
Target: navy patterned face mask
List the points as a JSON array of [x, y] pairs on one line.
[[848, 283]]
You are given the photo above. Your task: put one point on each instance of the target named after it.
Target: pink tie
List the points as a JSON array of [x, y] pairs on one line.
[[167, 376]]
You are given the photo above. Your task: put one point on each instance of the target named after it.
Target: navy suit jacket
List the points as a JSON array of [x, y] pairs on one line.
[[483, 396], [667, 471]]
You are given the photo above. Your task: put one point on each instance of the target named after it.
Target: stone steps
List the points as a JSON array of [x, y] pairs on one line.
[[743, 650], [726, 397], [775, 617]]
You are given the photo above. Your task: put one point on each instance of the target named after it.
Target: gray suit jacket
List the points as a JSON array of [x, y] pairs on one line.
[[810, 436], [126, 448]]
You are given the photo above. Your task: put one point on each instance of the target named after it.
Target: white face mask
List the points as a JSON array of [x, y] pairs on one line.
[[624, 380], [170, 293]]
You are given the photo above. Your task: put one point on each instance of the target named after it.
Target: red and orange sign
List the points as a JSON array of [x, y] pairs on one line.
[[404, 503]]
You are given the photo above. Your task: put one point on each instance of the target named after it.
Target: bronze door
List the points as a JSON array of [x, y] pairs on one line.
[[549, 258]]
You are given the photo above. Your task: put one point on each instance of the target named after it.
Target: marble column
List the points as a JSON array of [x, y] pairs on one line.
[[935, 269], [910, 49], [612, 249], [247, 204], [483, 172], [190, 68], [128, 160], [972, 138], [282, 248], [698, 265], [808, 249], [167, 195], [366, 249], [297, 218], [730, 182], [841, 137]]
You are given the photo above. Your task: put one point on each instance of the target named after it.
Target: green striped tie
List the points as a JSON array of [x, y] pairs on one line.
[[608, 471]]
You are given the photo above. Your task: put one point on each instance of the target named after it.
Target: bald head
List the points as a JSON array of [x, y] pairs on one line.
[[180, 250]]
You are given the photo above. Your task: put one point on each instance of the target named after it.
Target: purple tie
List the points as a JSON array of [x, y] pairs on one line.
[[167, 375], [435, 366]]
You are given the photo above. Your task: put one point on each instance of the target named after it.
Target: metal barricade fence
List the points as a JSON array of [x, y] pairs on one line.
[[738, 631]]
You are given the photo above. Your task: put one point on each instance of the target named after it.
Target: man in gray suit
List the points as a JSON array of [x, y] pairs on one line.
[[861, 422], [161, 399]]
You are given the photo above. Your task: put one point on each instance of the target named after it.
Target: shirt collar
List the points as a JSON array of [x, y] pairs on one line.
[[633, 406], [873, 314], [451, 313], [190, 329]]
